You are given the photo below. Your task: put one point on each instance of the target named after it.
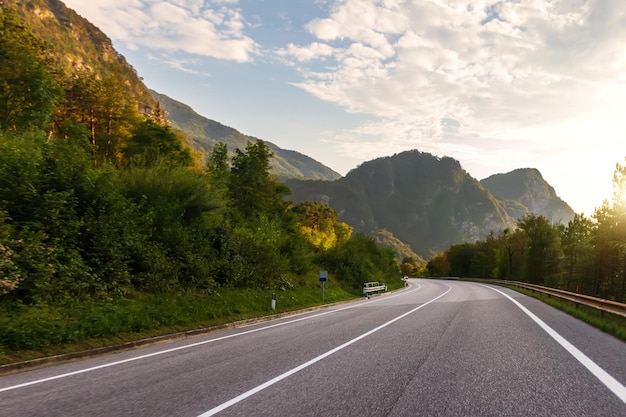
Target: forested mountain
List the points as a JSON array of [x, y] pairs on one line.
[[203, 134], [80, 49], [431, 202], [425, 201], [100, 200], [77, 46]]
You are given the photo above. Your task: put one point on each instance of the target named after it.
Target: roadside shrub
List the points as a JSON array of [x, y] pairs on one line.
[[360, 260]]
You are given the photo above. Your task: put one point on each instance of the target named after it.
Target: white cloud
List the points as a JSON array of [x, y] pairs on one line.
[[539, 60], [307, 53], [184, 65], [496, 84], [511, 72], [208, 28]]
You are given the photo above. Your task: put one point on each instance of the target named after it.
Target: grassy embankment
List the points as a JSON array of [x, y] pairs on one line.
[[28, 332], [608, 323]]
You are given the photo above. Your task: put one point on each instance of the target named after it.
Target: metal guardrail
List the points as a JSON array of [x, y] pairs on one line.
[[607, 306]]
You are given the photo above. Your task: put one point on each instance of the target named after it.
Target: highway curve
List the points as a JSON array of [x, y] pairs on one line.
[[436, 348]]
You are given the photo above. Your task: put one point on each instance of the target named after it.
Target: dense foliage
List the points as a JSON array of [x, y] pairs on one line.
[[70, 229], [587, 255], [100, 200]]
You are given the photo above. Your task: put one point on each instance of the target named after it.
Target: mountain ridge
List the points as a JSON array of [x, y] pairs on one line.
[[79, 45], [427, 201], [526, 186], [203, 133]]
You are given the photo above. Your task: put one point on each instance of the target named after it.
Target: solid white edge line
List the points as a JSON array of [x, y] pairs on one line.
[[204, 342], [611, 383], [287, 374]]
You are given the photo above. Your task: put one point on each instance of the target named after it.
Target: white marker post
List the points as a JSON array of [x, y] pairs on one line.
[[323, 279], [273, 301]]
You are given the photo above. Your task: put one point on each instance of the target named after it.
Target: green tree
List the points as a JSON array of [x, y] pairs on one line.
[[105, 108], [408, 266], [461, 257], [217, 163], [543, 250], [119, 117], [252, 189], [43, 189], [617, 243], [577, 243], [28, 91], [488, 257], [218, 167], [439, 265], [320, 225], [605, 254], [152, 142], [183, 217], [10, 274], [360, 260]]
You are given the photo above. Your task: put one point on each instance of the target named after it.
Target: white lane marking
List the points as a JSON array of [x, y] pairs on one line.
[[287, 374], [204, 342], [604, 377]]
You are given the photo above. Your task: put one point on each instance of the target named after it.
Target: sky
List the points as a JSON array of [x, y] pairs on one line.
[[497, 85]]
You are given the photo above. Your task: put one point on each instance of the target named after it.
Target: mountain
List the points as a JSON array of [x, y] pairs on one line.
[[204, 133], [79, 46], [402, 250], [414, 197], [525, 191], [423, 200], [431, 202]]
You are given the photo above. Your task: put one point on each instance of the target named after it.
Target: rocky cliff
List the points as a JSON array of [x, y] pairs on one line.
[[525, 191]]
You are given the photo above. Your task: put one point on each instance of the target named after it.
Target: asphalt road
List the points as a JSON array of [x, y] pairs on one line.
[[437, 348]]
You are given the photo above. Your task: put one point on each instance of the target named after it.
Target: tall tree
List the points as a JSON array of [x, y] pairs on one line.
[[605, 256], [252, 188], [576, 239], [28, 91], [619, 242], [151, 143], [320, 225], [217, 164], [543, 250], [105, 108]]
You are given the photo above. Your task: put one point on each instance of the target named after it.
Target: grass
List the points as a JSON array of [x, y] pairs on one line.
[[608, 323], [34, 332]]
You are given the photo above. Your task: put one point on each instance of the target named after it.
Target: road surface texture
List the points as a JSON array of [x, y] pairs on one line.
[[436, 348]]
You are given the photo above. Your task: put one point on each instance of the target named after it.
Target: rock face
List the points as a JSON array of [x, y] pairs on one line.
[[79, 46], [431, 202], [525, 191]]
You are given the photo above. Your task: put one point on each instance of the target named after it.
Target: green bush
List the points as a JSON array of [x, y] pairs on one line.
[[360, 260]]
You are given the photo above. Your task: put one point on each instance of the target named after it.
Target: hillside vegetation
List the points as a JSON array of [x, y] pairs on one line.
[[105, 214], [524, 191], [586, 255], [203, 134], [430, 202], [112, 227]]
